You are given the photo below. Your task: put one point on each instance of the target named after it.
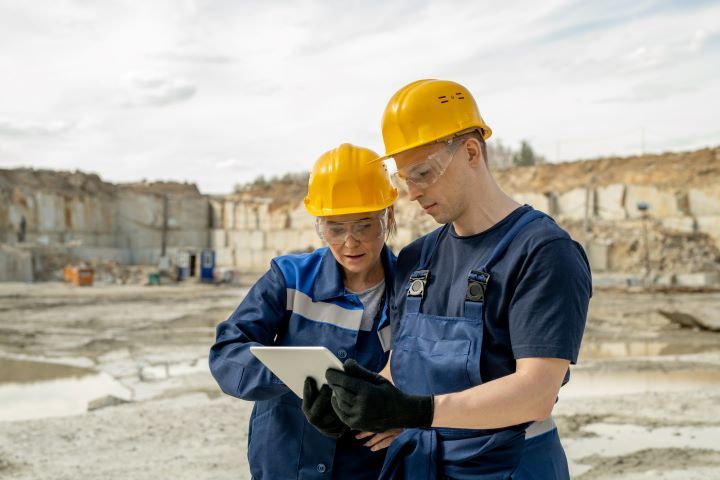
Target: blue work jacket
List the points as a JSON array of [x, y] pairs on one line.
[[300, 301]]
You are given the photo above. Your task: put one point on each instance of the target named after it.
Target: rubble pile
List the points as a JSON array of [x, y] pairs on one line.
[[602, 202], [161, 188], [111, 272], [27, 179], [669, 252], [683, 169]]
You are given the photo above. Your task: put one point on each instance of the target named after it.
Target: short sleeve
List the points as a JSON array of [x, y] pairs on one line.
[[549, 308]]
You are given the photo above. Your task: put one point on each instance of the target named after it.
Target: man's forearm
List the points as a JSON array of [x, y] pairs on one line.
[[526, 395]]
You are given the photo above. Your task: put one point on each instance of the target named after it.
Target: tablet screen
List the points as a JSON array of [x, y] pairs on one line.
[[293, 364]]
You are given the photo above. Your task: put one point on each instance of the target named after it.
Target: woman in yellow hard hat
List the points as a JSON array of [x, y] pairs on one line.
[[336, 297]]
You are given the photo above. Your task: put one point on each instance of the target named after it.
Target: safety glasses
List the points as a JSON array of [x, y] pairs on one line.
[[425, 172], [363, 230]]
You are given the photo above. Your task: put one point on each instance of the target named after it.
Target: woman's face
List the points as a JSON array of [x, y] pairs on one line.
[[356, 239]]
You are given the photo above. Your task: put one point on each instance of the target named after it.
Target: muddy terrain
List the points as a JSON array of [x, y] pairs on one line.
[[112, 382]]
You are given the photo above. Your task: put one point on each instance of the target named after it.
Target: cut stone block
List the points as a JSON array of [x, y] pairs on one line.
[[571, 204], [611, 202], [679, 224], [704, 202], [702, 279], [711, 226], [662, 203], [537, 200]]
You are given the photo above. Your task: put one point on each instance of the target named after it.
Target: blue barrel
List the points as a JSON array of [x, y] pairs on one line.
[[207, 265]]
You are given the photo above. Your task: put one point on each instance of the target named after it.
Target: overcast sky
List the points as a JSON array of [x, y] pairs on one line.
[[219, 92]]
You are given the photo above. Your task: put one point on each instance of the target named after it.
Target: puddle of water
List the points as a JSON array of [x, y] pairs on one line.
[[30, 389], [24, 371], [587, 383], [622, 440]]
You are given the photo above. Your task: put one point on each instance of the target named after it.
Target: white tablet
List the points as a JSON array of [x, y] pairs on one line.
[[293, 365]]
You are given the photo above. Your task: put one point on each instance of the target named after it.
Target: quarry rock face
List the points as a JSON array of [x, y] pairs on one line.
[[596, 201]]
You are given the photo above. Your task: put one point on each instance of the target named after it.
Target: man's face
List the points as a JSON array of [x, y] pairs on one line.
[[431, 175]]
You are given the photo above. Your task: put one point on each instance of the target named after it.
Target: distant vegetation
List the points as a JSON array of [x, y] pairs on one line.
[[526, 156], [262, 183], [500, 156]]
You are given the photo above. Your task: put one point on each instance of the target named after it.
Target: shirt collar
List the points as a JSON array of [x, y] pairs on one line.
[[329, 283]]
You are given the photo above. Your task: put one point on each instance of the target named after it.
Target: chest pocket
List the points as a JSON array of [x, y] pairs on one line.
[[436, 354], [439, 355]]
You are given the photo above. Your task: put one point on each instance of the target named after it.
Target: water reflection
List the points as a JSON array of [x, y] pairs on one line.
[[24, 371], [589, 383], [32, 389], [598, 350]]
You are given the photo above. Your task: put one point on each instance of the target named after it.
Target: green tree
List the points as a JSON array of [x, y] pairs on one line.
[[526, 156]]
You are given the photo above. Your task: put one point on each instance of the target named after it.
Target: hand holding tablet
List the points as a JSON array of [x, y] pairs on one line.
[[293, 364]]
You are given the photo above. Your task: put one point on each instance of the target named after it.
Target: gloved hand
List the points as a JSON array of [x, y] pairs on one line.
[[366, 401], [318, 410]]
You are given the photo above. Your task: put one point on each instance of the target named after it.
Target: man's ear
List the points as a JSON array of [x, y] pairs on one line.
[[475, 153]]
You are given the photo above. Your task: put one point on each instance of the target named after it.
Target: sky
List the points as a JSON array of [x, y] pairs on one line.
[[221, 92]]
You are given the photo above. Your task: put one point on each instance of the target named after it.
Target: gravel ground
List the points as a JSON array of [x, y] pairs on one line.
[[644, 402]]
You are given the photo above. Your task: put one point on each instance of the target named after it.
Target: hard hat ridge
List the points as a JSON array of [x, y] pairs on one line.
[[426, 111], [347, 180]]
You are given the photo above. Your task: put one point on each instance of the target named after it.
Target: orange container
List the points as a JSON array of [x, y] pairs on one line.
[[82, 277], [68, 273]]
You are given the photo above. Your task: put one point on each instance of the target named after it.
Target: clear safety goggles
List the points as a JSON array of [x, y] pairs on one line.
[[363, 230], [426, 171]]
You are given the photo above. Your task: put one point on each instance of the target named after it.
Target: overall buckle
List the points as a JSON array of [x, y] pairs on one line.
[[477, 283], [418, 279]]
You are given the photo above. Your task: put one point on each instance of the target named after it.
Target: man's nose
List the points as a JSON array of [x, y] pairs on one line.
[[414, 192]]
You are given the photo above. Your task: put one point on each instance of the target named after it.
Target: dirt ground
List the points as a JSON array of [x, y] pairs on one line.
[[643, 402]]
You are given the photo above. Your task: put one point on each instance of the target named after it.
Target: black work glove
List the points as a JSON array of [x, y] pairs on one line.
[[368, 402], [318, 410]]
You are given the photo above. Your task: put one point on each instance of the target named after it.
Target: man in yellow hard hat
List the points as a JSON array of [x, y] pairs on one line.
[[489, 313]]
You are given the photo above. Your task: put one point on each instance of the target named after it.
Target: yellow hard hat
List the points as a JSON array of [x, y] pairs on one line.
[[429, 110], [347, 180]]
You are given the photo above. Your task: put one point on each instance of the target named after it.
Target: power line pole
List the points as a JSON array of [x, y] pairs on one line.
[[163, 240], [644, 207]]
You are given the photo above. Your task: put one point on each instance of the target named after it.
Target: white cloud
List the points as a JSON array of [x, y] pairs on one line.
[[155, 89], [28, 129], [230, 163], [256, 88], [697, 41]]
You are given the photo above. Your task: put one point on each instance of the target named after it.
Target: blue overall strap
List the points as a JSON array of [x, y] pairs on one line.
[[419, 278], [478, 279], [430, 245], [500, 248]]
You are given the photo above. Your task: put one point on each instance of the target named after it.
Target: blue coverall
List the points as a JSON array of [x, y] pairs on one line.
[[300, 301], [455, 330]]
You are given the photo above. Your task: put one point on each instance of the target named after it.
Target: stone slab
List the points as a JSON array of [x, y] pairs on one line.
[[611, 202]]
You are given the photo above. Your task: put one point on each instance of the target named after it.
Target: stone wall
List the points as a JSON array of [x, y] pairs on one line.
[[605, 220], [82, 217], [15, 265], [595, 200], [247, 234]]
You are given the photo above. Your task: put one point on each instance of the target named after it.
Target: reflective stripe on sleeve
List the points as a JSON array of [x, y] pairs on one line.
[[300, 303]]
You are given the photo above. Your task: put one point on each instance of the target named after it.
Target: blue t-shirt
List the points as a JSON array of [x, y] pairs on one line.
[[536, 301]]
